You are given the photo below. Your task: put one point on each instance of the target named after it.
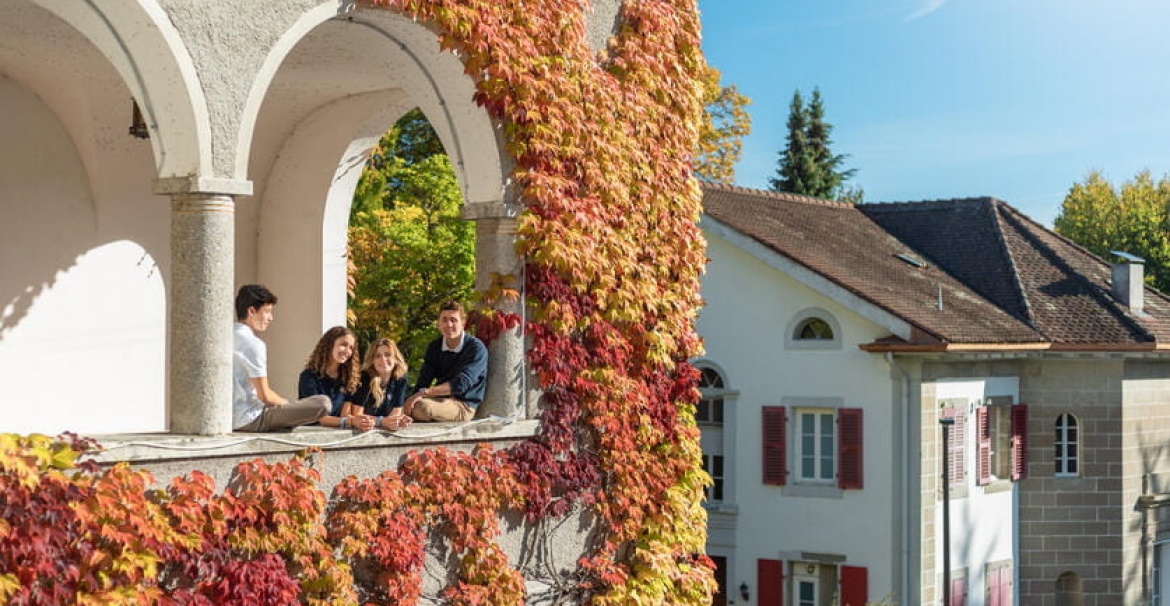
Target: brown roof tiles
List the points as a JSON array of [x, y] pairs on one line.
[[1002, 279]]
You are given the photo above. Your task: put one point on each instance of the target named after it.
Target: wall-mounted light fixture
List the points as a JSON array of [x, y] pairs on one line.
[[743, 592], [137, 124]]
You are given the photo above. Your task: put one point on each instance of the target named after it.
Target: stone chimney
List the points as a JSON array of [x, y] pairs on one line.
[[1129, 280]]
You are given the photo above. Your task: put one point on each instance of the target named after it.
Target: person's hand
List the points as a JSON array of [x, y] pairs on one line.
[[396, 422], [408, 405], [361, 422]]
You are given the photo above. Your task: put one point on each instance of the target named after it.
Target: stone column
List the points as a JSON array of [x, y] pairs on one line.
[[200, 303], [508, 391]]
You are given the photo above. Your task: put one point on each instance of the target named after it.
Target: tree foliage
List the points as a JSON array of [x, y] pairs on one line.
[[1133, 219], [725, 124], [408, 248], [807, 165]]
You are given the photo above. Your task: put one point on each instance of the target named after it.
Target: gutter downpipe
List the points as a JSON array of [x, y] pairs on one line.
[[905, 475]]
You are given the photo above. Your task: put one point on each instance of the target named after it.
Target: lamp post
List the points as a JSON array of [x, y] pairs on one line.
[[946, 509]]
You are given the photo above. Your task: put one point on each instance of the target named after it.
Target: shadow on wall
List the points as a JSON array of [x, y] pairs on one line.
[[82, 314]]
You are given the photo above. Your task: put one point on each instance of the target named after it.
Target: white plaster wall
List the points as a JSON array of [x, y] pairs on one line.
[[982, 528], [748, 307], [82, 304]]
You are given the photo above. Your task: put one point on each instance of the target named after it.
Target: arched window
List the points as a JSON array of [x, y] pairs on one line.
[[814, 328], [1067, 451], [709, 414], [710, 409]]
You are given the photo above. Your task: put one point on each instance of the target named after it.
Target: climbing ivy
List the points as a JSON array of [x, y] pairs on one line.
[[603, 144]]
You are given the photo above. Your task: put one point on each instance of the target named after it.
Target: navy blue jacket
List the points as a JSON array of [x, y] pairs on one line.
[[393, 395], [313, 384], [466, 370]]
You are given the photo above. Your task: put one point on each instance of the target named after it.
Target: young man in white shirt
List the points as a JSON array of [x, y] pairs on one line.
[[255, 406]]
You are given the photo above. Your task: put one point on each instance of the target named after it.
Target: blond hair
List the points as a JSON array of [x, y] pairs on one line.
[[397, 372]]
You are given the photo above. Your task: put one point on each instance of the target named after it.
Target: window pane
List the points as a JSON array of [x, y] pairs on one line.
[[717, 491], [814, 328], [717, 466], [703, 411], [717, 411]]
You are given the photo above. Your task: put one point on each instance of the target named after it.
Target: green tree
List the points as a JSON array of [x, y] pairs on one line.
[[725, 125], [1133, 219], [408, 248], [807, 165]]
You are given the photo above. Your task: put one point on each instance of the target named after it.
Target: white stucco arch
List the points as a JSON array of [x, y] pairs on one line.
[[435, 80], [327, 91], [301, 243], [139, 40]]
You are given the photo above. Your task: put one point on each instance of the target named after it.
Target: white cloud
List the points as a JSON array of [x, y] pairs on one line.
[[929, 7]]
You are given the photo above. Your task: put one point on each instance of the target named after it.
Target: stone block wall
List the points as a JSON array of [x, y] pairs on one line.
[[1073, 524]]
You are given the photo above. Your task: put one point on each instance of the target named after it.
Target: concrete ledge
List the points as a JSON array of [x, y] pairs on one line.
[[345, 453]]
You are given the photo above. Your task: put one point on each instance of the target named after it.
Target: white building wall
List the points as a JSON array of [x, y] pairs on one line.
[[982, 529], [748, 309]]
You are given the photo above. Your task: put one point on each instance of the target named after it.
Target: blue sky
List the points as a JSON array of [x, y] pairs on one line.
[[1016, 99]]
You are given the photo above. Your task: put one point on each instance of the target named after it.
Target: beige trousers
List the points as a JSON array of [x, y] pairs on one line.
[[445, 409]]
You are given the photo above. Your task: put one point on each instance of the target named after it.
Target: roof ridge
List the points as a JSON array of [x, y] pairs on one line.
[[994, 206], [1021, 216], [916, 204], [773, 195], [1101, 294]]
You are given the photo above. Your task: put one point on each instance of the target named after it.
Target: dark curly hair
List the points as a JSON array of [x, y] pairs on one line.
[[350, 373]]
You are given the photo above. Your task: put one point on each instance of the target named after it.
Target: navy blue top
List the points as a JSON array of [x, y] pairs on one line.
[[465, 370], [313, 384], [392, 396]]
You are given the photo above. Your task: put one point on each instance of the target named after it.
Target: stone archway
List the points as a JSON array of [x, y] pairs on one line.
[[336, 89], [88, 298]]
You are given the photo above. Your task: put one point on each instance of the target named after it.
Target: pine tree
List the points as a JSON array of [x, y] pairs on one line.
[[808, 165]]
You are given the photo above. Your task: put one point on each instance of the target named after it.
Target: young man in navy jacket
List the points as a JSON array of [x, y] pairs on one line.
[[453, 377]]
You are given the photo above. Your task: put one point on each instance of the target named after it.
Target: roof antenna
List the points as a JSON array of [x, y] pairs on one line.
[[940, 305]]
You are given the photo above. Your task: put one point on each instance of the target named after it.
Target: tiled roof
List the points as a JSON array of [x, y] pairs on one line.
[[991, 276]]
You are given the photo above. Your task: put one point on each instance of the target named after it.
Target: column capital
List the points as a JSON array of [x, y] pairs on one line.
[[490, 209], [195, 184]]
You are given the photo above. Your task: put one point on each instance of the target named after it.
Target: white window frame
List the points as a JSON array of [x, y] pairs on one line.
[[818, 414], [1069, 445], [716, 479]]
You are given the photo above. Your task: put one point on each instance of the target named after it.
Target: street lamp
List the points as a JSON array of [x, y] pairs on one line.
[[946, 508]]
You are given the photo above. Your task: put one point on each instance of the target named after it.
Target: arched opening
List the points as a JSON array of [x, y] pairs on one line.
[[340, 84], [409, 249], [82, 298], [1069, 590]]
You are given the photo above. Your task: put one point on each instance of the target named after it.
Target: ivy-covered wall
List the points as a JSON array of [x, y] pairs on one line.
[[603, 146]]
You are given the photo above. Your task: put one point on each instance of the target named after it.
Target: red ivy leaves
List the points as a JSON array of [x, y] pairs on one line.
[[602, 145]]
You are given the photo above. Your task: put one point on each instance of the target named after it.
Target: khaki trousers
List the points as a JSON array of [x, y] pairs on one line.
[[293, 414], [446, 409]]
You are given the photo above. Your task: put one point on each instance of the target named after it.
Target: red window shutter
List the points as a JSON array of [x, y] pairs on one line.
[[983, 422], [959, 592], [1019, 442], [854, 586], [770, 581], [956, 448], [849, 448], [775, 451], [999, 587]]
